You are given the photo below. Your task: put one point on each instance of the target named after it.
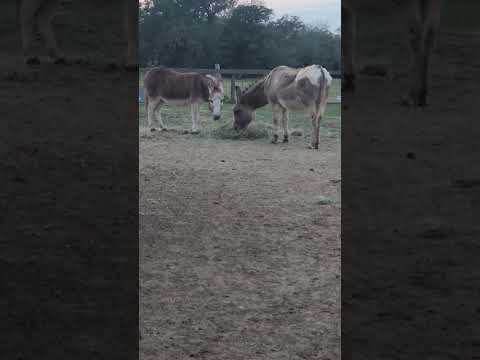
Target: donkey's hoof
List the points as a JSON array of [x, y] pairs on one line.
[[313, 146], [285, 139], [60, 61], [153, 129], [82, 61], [407, 100], [195, 132], [32, 60], [416, 100], [274, 139], [421, 100]]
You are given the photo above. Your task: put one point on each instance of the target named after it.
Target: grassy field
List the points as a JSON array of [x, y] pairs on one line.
[[179, 119]]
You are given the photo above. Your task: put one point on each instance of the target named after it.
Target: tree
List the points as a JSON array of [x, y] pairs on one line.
[[285, 35], [245, 34], [200, 33], [180, 32], [212, 8]]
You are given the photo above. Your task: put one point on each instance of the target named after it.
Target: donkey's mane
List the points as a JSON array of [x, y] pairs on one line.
[[258, 82], [254, 95]]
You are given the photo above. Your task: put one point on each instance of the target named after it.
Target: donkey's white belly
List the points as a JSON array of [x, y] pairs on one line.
[[178, 102], [292, 104]]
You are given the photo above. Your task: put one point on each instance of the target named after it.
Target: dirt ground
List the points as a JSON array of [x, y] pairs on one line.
[[239, 249], [68, 228], [410, 191]]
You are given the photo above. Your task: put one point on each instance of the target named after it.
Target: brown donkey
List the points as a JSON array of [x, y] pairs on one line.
[[42, 12], [286, 89], [419, 18], [167, 86]]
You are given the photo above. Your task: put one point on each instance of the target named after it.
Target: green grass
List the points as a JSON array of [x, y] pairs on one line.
[[179, 118]]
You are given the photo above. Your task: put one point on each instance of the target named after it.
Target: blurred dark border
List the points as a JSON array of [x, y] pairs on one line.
[[410, 195], [69, 199]]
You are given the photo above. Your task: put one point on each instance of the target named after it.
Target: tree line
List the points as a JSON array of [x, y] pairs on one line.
[[200, 33]]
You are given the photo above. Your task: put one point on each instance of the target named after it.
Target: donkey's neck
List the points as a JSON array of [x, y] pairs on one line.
[[255, 96]]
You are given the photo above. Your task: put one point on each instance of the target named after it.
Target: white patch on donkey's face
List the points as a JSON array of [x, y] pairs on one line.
[[216, 96], [216, 104]]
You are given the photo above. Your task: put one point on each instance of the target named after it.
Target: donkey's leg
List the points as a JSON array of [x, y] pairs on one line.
[[158, 116], [348, 49], [277, 114], [150, 114], [423, 22], [151, 107], [416, 49], [431, 23], [28, 13], [315, 130], [46, 14], [285, 125], [195, 117], [317, 118]]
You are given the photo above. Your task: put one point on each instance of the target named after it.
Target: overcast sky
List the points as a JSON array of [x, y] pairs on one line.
[[315, 12]]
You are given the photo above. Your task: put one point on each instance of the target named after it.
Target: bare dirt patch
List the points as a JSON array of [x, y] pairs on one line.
[[239, 251]]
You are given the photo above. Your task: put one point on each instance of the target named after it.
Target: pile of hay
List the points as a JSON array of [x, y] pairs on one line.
[[254, 132]]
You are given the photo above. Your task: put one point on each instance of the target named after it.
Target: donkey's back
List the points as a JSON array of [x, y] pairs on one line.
[[170, 85], [297, 89]]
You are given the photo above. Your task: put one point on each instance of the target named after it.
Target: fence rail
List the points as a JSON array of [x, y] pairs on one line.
[[233, 72], [235, 75]]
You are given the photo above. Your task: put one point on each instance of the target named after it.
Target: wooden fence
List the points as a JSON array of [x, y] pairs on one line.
[[239, 72], [235, 75]]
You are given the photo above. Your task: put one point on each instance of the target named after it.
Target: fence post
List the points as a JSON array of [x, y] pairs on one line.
[[233, 93], [217, 71]]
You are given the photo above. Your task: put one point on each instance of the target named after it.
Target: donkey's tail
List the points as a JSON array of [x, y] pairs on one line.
[[326, 77]]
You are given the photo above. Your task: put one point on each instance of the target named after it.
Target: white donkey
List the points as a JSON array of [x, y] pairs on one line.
[[40, 13], [286, 89], [167, 86], [419, 18]]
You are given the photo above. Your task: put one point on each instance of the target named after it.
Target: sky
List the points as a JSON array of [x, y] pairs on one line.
[[316, 12]]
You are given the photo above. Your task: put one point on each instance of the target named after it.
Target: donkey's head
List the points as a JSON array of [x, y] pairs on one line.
[[242, 114], [215, 89]]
